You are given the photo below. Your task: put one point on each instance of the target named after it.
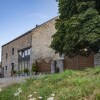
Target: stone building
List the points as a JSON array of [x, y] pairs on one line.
[[33, 47]]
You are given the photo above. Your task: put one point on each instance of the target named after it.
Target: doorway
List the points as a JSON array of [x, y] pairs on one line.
[[56, 68], [12, 69]]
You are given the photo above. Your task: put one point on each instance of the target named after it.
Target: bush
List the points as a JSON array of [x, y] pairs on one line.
[[14, 72], [34, 68], [26, 70], [19, 72]]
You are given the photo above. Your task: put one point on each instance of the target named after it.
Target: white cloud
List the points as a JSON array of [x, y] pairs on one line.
[[38, 15]]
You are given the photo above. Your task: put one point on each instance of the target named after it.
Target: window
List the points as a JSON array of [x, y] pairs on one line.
[[25, 52], [20, 66], [28, 63], [22, 53], [23, 65], [28, 51], [12, 64], [6, 67], [26, 66], [6, 55], [12, 51]]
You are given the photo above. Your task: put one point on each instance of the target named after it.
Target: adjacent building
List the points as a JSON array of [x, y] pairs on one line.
[[33, 47]]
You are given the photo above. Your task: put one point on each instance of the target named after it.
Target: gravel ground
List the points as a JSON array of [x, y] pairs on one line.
[[2, 85], [11, 80]]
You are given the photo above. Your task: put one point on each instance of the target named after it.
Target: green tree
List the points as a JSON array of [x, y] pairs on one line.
[[78, 28]]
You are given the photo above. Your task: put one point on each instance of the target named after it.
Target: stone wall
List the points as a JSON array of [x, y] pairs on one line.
[[97, 59], [42, 54], [19, 43], [41, 40]]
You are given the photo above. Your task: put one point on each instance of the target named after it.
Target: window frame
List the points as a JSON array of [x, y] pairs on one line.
[[12, 51], [6, 55], [6, 68]]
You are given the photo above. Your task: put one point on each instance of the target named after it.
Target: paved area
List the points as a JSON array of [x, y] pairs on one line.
[[2, 85], [11, 80]]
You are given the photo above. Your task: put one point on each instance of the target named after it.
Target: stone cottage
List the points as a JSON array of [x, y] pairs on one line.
[[33, 47]]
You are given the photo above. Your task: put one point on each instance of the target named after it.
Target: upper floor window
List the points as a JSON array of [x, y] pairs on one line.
[[24, 53], [6, 67], [28, 51], [20, 53], [6, 55], [12, 51]]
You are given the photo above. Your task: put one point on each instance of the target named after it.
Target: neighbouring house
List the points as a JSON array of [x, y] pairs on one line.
[[33, 47]]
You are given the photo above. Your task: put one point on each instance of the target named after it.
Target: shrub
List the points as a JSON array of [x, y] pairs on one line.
[[19, 72], [26, 70], [14, 72], [34, 68]]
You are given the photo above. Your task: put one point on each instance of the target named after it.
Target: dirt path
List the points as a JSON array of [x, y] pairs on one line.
[[11, 80], [2, 85]]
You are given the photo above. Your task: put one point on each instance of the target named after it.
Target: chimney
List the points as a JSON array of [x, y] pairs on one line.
[[36, 25]]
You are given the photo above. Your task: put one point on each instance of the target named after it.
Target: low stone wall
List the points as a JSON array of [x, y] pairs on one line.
[[97, 59]]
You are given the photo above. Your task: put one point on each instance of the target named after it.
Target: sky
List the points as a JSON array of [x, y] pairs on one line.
[[19, 16]]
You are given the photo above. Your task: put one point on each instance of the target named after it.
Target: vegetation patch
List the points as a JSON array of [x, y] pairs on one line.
[[68, 85]]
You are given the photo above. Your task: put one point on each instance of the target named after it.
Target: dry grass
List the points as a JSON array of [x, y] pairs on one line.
[[68, 85]]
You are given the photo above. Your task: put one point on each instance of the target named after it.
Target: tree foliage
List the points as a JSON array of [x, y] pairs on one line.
[[78, 27]]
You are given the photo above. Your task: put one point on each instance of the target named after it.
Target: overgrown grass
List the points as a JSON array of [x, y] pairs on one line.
[[68, 85]]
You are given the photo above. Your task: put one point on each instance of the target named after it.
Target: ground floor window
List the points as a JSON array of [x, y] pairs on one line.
[[24, 65]]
